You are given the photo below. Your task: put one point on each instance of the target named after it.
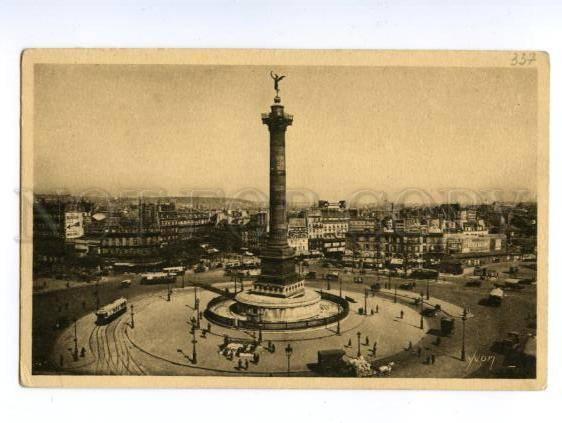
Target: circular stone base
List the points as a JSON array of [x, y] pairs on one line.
[[274, 309]]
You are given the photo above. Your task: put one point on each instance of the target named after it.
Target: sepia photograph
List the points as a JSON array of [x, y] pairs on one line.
[[284, 218]]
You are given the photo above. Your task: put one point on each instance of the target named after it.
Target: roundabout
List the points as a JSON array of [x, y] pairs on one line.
[[159, 338]]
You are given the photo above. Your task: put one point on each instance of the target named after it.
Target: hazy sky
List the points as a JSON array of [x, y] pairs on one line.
[[182, 127]]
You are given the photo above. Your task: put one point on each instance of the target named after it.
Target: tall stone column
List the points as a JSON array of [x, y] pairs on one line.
[[278, 276]]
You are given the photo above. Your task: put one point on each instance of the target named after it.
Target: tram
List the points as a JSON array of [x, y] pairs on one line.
[[111, 311]]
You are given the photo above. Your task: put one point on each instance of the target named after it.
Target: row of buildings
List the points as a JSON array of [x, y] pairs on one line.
[[123, 229], [65, 228]]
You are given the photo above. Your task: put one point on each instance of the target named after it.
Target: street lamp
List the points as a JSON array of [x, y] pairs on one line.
[[289, 352], [358, 344], [75, 354], [97, 294], [260, 317], [338, 329], [194, 342], [132, 316], [339, 279], [427, 289], [193, 323], [169, 293], [421, 311], [464, 317]]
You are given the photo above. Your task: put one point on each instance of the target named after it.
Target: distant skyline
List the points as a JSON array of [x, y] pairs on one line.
[[178, 129]]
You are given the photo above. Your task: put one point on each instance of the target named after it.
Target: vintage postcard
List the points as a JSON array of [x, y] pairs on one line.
[[278, 218]]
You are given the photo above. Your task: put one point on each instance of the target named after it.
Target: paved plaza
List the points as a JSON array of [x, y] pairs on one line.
[[161, 340]]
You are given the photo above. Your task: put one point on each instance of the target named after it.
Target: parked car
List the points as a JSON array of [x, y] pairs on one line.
[[125, 283], [474, 281], [430, 312]]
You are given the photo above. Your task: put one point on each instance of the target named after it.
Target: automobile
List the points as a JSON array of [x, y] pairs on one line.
[[474, 281], [311, 275], [430, 312], [125, 283], [351, 300], [357, 279], [200, 268], [407, 286], [447, 326], [376, 287]]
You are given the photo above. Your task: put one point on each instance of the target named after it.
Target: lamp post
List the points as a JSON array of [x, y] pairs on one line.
[[358, 344], [198, 322], [338, 329], [169, 293], [289, 352], [365, 307], [463, 350], [132, 316], [421, 311], [427, 289], [194, 342], [260, 317], [75, 354], [339, 279], [97, 294], [395, 291]]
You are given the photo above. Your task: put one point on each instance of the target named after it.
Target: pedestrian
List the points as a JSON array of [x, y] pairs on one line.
[[419, 351], [246, 364], [372, 312], [401, 314], [377, 308], [82, 352], [409, 345], [349, 342], [208, 327], [432, 358], [374, 350], [240, 364]]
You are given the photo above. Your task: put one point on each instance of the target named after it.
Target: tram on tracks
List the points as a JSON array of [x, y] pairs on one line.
[[111, 311]]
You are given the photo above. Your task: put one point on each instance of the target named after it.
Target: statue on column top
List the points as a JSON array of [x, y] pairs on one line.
[[276, 78]]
